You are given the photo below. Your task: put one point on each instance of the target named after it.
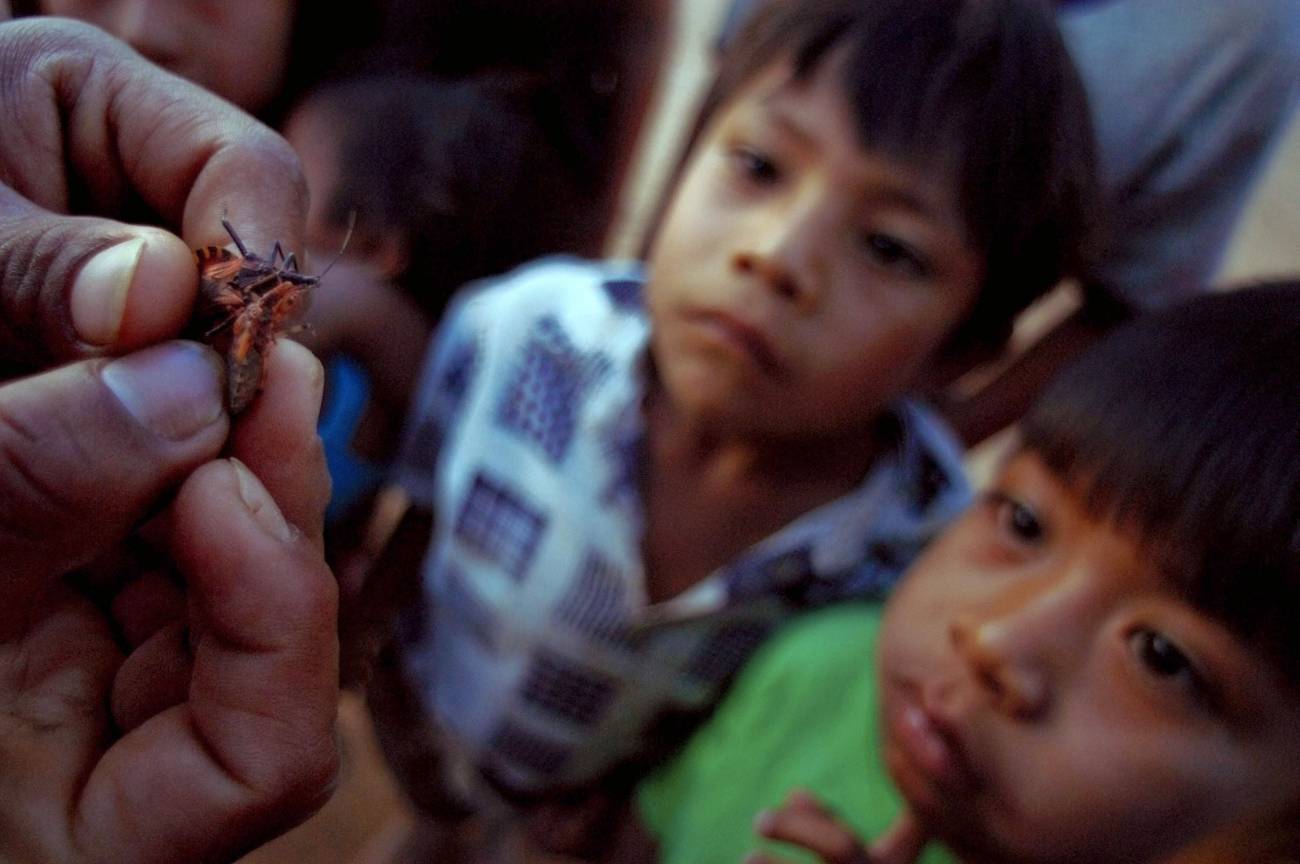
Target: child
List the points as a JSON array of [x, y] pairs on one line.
[[1099, 662], [587, 70], [630, 497], [1189, 99], [420, 181]]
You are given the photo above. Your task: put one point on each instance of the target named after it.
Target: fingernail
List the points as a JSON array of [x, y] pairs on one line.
[[99, 291], [764, 821], [260, 503], [174, 389]]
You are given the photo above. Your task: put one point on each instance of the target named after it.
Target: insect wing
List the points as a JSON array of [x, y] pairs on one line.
[[217, 267], [243, 379], [244, 357]]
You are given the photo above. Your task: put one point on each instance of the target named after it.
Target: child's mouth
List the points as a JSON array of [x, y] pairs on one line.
[[930, 746], [748, 339]]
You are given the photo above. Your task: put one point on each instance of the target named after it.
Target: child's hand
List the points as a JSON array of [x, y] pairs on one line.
[[804, 821]]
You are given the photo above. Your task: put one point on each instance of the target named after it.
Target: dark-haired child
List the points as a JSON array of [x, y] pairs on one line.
[[427, 181], [1189, 99], [637, 475], [1097, 663]]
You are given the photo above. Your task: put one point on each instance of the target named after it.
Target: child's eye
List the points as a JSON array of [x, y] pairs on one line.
[[1159, 656], [1162, 660], [1017, 519], [893, 254], [755, 166]]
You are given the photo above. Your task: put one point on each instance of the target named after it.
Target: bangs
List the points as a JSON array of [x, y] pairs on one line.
[[1183, 429], [962, 88], [982, 91]]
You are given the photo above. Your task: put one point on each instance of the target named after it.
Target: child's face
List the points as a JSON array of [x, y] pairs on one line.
[[1049, 695], [798, 282], [238, 49]]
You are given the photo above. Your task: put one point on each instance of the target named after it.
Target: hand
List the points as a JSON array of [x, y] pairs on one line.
[[168, 653], [93, 130], [804, 821]]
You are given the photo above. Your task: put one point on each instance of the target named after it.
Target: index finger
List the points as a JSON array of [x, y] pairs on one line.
[[133, 132]]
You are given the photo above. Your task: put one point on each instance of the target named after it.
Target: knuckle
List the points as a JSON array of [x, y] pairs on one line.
[[301, 772], [318, 775], [49, 43]]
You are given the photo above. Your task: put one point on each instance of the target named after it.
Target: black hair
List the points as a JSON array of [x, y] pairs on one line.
[[457, 169], [982, 88], [1183, 427], [584, 68]]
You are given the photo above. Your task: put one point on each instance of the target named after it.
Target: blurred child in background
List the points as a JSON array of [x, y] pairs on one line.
[[423, 184], [583, 70]]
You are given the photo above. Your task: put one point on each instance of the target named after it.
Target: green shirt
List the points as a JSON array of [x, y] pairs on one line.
[[802, 713]]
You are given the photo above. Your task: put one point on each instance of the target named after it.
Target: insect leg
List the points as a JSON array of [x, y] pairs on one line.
[[239, 244]]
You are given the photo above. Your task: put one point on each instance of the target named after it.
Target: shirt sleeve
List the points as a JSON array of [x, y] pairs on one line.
[[449, 367]]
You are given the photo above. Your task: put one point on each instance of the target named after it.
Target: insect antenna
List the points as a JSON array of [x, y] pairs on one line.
[[352, 223]]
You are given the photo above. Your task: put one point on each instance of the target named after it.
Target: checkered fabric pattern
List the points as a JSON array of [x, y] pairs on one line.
[[541, 655]]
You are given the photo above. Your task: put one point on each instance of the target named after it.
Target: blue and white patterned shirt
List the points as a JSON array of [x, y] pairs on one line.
[[538, 651]]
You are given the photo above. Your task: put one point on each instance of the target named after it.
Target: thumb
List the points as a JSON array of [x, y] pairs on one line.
[[87, 449], [78, 285]]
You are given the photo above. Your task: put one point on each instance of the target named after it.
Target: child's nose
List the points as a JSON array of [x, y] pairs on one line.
[[785, 254], [770, 270], [1018, 641], [1013, 681]]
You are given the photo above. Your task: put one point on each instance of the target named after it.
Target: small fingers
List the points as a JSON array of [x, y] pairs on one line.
[[803, 821], [763, 858]]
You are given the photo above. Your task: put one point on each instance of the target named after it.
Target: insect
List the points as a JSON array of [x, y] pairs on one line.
[[245, 302]]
